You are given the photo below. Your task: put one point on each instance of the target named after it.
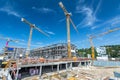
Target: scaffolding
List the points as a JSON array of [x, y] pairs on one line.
[[54, 51]]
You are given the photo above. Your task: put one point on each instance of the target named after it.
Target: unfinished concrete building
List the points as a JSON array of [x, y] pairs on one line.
[[14, 52], [54, 51]]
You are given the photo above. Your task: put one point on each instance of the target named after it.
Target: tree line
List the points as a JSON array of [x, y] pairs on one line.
[[113, 51]]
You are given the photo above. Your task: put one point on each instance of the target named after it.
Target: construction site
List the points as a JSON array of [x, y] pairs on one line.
[[59, 61]]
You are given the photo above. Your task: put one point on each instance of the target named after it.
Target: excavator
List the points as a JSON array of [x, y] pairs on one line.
[[91, 37]]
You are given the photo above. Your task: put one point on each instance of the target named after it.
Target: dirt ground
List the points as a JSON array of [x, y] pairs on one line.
[[81, 73], [95, 73]]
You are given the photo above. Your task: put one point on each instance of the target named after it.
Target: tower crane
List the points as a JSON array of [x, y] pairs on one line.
[[30, 36], [91, 37], [68, 20], [8, 40]]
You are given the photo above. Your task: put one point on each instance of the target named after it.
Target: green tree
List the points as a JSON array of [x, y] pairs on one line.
[[85, 52]]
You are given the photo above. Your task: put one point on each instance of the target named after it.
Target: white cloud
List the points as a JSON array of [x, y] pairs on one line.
[[43, 10], [97, 8], [10, 12], [90, 15], [50, 32], [9, 9], [61, 20], [114, 22]]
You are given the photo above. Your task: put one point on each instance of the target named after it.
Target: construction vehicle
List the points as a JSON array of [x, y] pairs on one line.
[[30, 36], [68, 20], [91, 37]]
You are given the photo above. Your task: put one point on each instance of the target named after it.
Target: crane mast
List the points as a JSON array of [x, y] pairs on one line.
[[92, 48], [68, 20], [68, 28], [30, 36], [29, 41], [68, 34]]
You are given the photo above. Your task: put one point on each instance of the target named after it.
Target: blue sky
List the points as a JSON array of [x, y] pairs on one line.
[[89, 16]]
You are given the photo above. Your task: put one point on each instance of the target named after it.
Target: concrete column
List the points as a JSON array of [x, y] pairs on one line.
[[58, 68], [52, 67], [90, 63], [67, 69], [71, 65], [40, 72], [85, 63], [17, 69], [79, 64], [66, 66]]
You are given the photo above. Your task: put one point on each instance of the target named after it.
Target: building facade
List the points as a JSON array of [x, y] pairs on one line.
[[101, 51], [54, 51], [102, 55]]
